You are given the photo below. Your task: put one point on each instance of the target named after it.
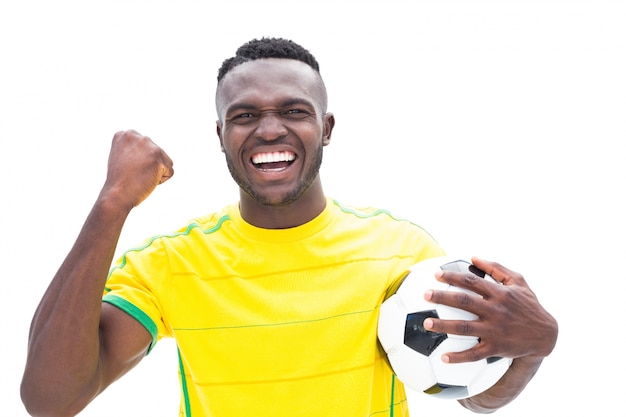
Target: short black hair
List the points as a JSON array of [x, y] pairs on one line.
[[268, 48]]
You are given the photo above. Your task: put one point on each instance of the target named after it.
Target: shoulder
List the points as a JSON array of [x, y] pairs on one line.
[[211, 222], [374, 215], [379, 224], [196, 228]]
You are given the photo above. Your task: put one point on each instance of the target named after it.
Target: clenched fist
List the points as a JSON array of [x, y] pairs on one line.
[[136, 166]]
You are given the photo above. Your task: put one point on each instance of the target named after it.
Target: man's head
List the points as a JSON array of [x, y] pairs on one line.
[[272, 123], [265, 48]]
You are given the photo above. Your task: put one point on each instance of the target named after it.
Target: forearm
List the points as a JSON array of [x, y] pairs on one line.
[[507, 389], [63, 350]]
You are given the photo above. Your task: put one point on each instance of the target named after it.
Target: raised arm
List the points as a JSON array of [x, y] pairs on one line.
[[78, 345], [512, 324]]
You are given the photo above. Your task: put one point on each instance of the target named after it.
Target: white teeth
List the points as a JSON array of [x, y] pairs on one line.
[[264, 158]]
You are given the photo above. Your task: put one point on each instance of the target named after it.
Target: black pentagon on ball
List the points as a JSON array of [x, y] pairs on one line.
[[417, 337]]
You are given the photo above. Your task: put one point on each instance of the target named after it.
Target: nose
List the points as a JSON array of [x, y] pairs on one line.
[[270, 127]]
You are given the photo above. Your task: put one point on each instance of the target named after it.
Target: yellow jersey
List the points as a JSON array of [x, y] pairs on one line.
[[275, 322]]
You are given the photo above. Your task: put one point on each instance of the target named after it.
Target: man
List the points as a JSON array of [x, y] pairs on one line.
[[273, 302]]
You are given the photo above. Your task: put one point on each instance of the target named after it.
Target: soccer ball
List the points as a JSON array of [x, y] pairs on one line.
[[415, 353]]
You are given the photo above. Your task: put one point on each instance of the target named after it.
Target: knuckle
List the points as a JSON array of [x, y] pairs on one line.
[[497, 265], [464, 327], [471, 279], [518, 277], [465, 300], [474, 356]]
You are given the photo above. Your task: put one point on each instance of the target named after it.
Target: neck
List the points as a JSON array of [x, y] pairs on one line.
[[304, 209]]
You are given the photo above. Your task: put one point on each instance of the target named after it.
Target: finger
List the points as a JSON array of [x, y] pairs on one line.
[[461, 328], [167, 170], [468, 281], [493, 269], [456, 327], [457, 298], [169, 173], [479, 352], [498, 272]]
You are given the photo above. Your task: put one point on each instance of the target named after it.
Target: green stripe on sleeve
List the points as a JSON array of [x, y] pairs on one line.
[[136, 313]]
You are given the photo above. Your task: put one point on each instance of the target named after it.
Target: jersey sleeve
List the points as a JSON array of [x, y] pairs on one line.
[[135, 284]]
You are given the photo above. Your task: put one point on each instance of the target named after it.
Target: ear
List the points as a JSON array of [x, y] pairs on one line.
[[219, 134], [329, 124]]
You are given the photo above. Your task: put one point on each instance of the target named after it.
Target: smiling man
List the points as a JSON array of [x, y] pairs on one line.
[[272, 134], [273, 301]]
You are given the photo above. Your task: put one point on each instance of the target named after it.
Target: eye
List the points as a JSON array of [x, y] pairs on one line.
[[243, 118], [296, 113]]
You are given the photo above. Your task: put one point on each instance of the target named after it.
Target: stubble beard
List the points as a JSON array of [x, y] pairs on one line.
[[289, 197]]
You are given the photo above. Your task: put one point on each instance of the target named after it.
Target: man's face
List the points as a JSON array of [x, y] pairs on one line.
[[272, 128]]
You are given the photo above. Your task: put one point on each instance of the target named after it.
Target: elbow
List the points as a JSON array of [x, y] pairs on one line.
[[33, 401], [33, 406], [39, 403]]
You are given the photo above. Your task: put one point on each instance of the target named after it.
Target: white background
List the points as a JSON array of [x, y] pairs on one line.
[[496, 125]]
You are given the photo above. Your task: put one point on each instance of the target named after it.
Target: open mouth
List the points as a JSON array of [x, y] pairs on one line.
[[273, 161]]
